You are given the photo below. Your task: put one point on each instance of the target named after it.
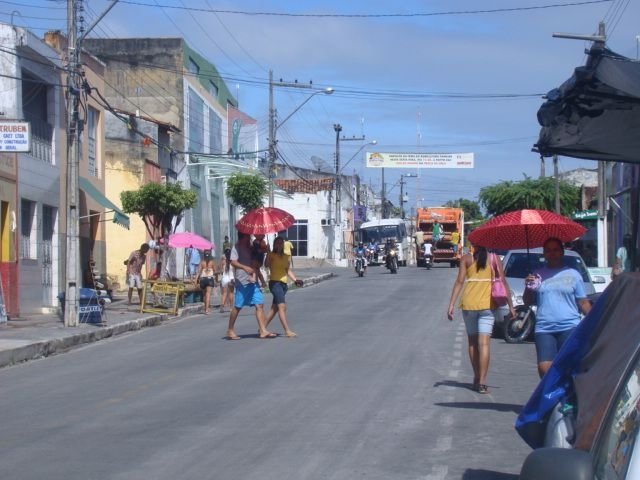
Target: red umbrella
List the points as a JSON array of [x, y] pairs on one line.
[[525, 229], [265, 220]]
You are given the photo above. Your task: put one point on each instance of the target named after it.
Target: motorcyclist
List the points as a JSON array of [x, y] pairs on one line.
[[388, 246], [426, 250], [360, 251], [373, 248]]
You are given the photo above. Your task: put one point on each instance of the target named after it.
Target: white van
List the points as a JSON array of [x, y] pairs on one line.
[[380, 230]]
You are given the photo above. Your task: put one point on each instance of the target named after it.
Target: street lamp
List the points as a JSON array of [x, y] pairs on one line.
[[402, 199], [274, 126], [372, 142]]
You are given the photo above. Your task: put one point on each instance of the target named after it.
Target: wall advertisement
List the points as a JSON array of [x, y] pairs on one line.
[[15, 136], [419, 160]]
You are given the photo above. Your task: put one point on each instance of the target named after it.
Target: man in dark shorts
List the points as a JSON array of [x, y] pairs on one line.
[[247, 290]]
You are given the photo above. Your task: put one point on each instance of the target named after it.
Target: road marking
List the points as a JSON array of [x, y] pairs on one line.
[[456, 363], [444, 443], [446, 420], [457, 353], [438, 472], [454, 373]]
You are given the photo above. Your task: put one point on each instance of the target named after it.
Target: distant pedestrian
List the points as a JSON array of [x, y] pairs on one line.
[[226, 245], [206, 276], [558, 291], [623, 260], [136, 261], [280, 272], [247, 290], [226, 282], [474, 280], [288, 249], [455, 240], [193, 260]]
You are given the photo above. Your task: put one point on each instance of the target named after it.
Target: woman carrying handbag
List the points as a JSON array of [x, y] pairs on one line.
[[475, 280]]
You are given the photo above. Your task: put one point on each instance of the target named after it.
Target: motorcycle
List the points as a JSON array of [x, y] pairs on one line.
[[360, 265], [520, 328], [391, 260], [428, 262]]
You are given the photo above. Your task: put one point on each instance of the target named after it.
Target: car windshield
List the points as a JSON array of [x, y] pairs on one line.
[[518, 267]]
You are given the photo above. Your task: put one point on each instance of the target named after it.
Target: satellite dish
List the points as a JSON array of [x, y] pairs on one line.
[[320, 164]]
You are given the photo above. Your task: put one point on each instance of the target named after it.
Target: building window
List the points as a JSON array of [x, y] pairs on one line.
[[196, 122], [213, 89], [193, 66], [28, 229], [215, 132], [92, 128], [298, 235]]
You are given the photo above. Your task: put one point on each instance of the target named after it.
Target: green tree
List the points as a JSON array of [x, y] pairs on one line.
[[471, 209], [247, 190], [529, 193], [159, 205]]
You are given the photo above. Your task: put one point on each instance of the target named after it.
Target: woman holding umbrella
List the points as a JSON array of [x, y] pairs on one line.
[[474, 281], [559, 293]]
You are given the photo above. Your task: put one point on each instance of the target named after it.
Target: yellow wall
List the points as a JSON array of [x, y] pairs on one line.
[[121, 242]]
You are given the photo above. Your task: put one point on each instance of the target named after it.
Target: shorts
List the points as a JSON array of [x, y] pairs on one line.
[[455, 248], [247, 295], [278, 290], [207, 282], [134, 281], [548, 344], [478, 322]]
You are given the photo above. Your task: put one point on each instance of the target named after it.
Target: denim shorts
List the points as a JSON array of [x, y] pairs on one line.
[[248, 295], [278, 290], [548, 344], [478, 322]]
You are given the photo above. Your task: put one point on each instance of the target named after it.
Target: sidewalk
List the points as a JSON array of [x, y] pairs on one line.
[[43, 335]]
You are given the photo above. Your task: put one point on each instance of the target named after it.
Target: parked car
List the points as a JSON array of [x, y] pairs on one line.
[[518, 264], [598, 372]]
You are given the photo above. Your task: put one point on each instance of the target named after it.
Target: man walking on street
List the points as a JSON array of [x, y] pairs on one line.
[[136, 261], [247, 288]]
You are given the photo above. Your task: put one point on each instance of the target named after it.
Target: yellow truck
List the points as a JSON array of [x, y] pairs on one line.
[[447, 248]]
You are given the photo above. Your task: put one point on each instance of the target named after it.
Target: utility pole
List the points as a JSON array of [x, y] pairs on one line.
[[557, 177], [273, 127], [74, 85], [383, 210], [71, 309], [338, 181], [402, 182]]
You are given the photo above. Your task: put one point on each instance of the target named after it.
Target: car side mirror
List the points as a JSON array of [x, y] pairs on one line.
[[598, 279], [557, 464]]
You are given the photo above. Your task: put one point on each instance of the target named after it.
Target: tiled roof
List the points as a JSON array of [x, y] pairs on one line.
[[305, 186]]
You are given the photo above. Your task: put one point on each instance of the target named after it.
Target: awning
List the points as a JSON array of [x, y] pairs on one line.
[[119, 216], [223, 166], [595, 114]]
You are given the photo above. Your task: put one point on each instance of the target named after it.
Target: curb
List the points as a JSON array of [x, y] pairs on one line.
[[56, 346]]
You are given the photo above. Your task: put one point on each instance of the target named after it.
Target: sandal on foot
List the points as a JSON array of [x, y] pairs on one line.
[[483, 389]]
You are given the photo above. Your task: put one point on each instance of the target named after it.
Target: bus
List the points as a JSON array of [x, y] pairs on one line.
[[381, 230]]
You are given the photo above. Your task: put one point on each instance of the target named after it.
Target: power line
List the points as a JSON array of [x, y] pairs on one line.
[[374, 15]]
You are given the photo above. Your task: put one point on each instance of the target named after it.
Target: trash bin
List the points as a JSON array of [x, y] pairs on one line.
[[91, 305]]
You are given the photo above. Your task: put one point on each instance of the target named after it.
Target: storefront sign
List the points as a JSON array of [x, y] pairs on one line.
[[15, 136], [419, 160]]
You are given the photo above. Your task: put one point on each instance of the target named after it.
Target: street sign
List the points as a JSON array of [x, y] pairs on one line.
[[15, 136], [419, 160]]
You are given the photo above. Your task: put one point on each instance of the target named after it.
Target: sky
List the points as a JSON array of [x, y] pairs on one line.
[[431, 76]]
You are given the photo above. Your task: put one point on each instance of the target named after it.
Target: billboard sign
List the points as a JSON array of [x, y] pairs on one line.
[[15, 136], [419, 160]]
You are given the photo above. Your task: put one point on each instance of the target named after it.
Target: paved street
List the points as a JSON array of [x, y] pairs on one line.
[[374, 387]]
